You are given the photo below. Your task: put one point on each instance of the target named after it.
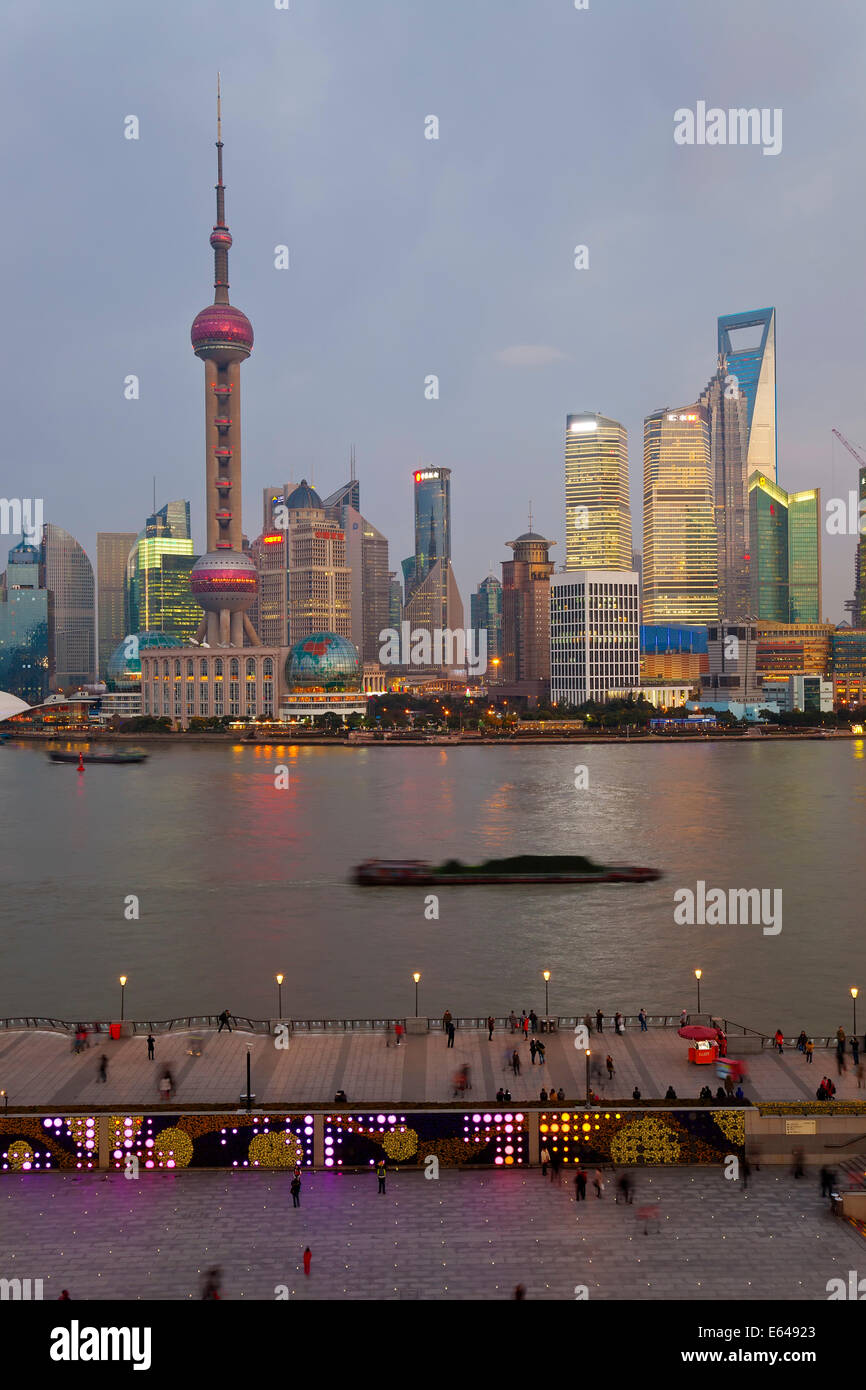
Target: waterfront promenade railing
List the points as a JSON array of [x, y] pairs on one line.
[[265, 1026]]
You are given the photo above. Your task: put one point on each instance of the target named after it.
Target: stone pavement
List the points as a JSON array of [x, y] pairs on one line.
[[465, 1236], [39, 1069]]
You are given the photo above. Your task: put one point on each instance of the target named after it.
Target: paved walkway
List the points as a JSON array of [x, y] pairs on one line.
[[40, 1070], [463, 1236]]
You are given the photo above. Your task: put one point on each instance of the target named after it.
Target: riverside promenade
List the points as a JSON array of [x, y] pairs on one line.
[[39, 1069]]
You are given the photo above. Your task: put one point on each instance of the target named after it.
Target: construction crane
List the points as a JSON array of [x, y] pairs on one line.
[[850, 447]]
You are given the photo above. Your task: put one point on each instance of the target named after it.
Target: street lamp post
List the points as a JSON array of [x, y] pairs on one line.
[[546, 977], [416, 977], [280, 979], [588, 1087], [698, 974], [854, 992], [122, 994]]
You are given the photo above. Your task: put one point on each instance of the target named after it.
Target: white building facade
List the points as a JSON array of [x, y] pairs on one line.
[[594, 634]]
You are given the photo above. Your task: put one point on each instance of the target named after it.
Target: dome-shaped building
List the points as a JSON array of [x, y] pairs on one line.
[[304, 499], [123, 671], [323, 675]]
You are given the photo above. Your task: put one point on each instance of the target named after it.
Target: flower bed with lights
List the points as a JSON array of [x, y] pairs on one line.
[[212, 1141], [494, 1137], [39, 1143], [624, 1138]]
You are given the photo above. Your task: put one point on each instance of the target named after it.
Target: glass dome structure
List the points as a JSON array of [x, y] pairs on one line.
[[323, 661], [123, 671]]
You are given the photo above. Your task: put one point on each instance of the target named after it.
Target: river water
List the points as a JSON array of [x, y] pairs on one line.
[[237, 879]]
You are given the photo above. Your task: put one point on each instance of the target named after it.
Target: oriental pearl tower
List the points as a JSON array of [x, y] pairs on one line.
[[224, 580]]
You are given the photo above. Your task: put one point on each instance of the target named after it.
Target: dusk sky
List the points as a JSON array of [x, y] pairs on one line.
[[412, 257]]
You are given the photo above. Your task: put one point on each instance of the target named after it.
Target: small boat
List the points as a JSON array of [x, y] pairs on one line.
[[521, 868], [62, 755]]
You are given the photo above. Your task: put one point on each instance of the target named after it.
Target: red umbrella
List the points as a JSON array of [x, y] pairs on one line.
[[698, 1034]]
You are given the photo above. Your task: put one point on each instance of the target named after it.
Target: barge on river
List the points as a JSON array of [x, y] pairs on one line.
[[522, 868]]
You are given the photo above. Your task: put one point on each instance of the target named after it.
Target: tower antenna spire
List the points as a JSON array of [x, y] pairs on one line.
[[530, 514]]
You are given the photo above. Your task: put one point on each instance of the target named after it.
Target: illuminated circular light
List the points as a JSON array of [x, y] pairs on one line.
[[118, 1153], [509, 1149], [392, 1119], [586, 1128], [308, 1129], [329, 1163], [554, 1129], [543, 1128], [498, 1119], [498, 1159], [148, 1143], [565, 1115], [380, 1119], [487, 1119], [518, 1117], [475, 1119], [509, 1160], [308, 1119], [509, 1129], [47, 1124]]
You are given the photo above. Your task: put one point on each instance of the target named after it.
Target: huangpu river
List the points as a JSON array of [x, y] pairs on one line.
[[237, 879]]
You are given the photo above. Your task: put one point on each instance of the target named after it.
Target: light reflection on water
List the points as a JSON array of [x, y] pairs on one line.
[[238, 880]]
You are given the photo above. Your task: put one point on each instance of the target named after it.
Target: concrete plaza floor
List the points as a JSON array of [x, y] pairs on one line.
[[39, 1069], [465, 1236]]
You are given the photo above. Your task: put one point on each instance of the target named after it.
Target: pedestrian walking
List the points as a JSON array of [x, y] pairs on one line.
[[446, 1019], [103, 1068], [533, 1048], [533, 1020], [684, 1018], [554, 1167], [545, 1159], [778, 1040], [587, 1020], [617, 1022], [858, 1072], [212, 1283], [525, 1026], [729, 1085], [381, 1172], [611, 1069], [809, 1049], [599, 1021], [166, 1085], [625, 1191], [308, 1259], [840, 1039], [296, 1191], [826, 1182], [801, 1041], [451, 1031], [519, 1292], [580, 1185], [855, 1050], [491, 1024], [642, 1020], [840, 1063], [398, 1034], [512, 1019], [539, 1052], [225, 1021], [151, 1044], [515, 1062], [797, 1168], [598, 1183], [745, 1172]]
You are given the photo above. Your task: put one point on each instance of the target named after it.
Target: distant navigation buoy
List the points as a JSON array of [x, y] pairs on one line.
[[80, 762]]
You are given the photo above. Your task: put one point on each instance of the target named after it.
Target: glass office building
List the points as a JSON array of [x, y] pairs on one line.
[[680, 560], [68, 575], [597, 506], [112, 553], [25, 627], [486, 614], [432, 520], [727, 415], [785, 561], [747, 345], [158, 594]]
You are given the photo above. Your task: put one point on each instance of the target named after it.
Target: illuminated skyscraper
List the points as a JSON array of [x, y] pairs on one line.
[[786, 552], [680, 561], [747, 342], [597, 507], [26, 627], [158, 569]]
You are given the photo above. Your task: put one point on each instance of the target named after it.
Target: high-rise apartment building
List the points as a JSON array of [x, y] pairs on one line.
[[680, 560], [367, 558], [112, 553], [26, 627], [269, 614], [594, 635], [597, 506], [526, 609], [785, 561], [486, 615], [747, 345]]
